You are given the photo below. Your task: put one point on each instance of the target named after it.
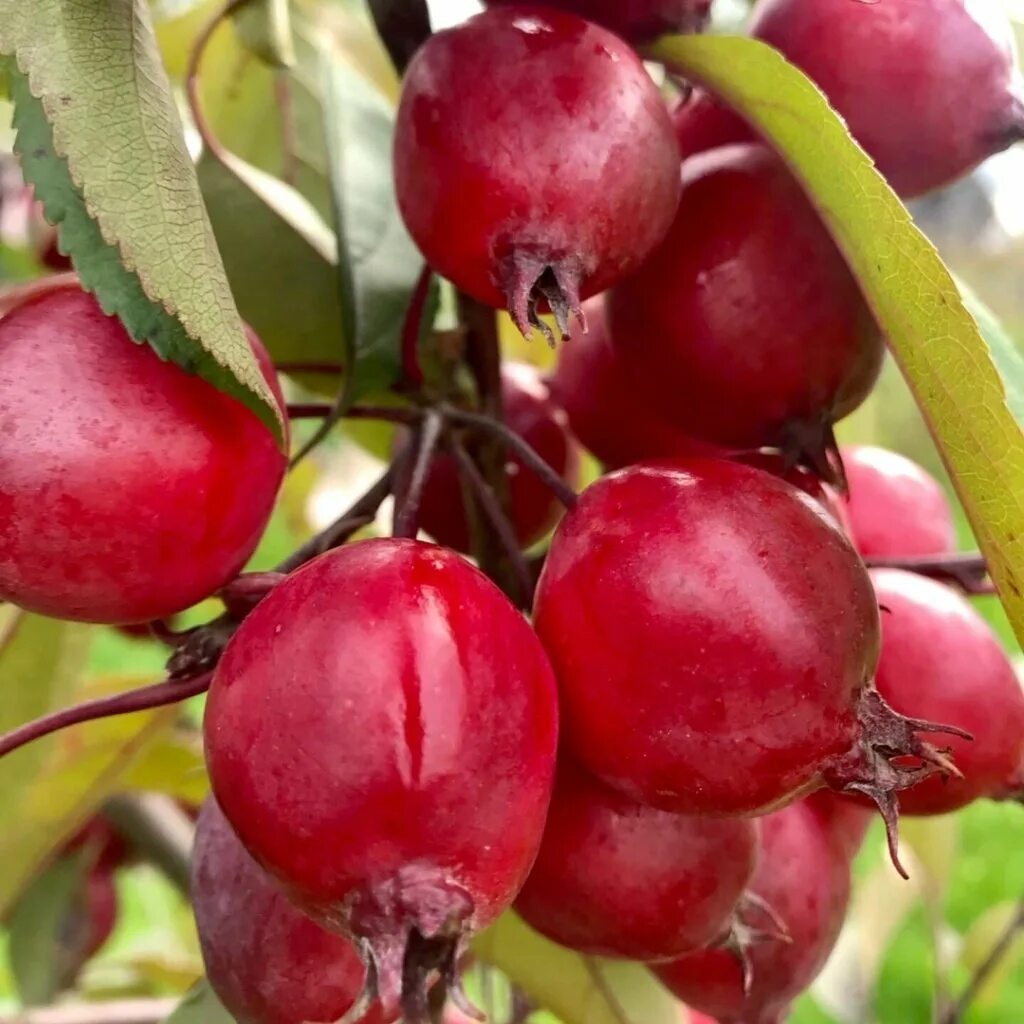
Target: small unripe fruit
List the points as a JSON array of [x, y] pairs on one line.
[[129, 489], [616, 878], [804, 877], [726, 677], [380, 732], [930, 88], [535, 161], [612, 418], [940, 658], [101, 842], [87, 923], [636, 20], [99, 904], [267, 962], [745, 327], [895, 509], [529, 411]]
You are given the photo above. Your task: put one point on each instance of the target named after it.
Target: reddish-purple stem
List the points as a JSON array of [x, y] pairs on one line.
[[327, 369], [423, 447], [157, 696], [551, 478], [498, 520], [412, 329]]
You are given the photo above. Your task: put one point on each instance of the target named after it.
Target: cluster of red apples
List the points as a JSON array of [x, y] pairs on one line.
[[674, 758]]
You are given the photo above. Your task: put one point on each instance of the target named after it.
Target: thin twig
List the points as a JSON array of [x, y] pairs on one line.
[[533, 461], [984, 970], [498, 520], [390, 414], [308, 410], [407, 511], [143, 699], [327, 369], [966, 571], [158, 829], [360, 514], [482, 353]]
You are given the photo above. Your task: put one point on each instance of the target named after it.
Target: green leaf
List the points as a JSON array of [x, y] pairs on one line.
[[576, 989], [265, 27], [40, 663], [172, 764], [378, 263], [51, 787], [280, 258], [200, 1006], [39, 954], [101, 141], [933, 337]]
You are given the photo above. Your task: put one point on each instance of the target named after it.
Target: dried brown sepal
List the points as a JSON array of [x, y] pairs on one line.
[[874, 766]]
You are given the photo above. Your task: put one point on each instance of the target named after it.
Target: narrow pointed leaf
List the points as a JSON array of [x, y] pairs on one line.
[[101, 141]]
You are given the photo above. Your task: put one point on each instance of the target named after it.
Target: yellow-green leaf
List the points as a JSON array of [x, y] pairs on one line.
[[576, 989], [934, 339], [71, 772], [101, 140], [40, 663], [43, 949], [265, 26], [280, 259], [172, 764]]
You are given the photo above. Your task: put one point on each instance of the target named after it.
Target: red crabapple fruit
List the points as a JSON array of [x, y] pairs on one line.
[[847, 820], [714, 636], [638, 21], [535, 161], [940, 658], [611, 418], [803, 479], [930, 88], [745, 327], [267, 962], [380, 733], [129, 489], [528, 410], [804, 876], [895, 508], [617, 878]]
